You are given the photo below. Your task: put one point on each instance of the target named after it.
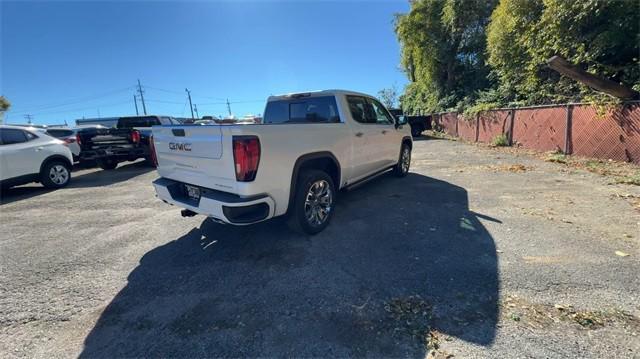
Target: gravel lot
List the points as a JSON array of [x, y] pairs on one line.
[[477, 253]]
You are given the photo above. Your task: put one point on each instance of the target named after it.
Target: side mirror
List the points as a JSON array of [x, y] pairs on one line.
[[400, 121]]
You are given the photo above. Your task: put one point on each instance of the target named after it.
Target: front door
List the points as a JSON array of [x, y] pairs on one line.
[[19, 157], [365, 149], [386, 136]]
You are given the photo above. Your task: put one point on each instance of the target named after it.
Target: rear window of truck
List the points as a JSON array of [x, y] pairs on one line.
[[142, 121], [322, 109]]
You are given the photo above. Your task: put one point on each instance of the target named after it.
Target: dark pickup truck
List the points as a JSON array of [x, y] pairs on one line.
[[128, 141], [418, 123]]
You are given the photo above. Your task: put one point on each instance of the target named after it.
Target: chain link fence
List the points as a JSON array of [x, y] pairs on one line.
[[580, 129]]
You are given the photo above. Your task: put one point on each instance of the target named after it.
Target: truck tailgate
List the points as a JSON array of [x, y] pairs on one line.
[[102, 138], [194, 154]]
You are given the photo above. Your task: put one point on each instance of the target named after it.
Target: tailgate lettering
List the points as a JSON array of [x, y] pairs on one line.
[[179, 146]]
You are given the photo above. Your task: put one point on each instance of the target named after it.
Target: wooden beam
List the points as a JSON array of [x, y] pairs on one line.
[[607, 86]]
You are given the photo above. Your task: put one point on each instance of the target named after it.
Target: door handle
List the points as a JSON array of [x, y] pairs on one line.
[[384, 132], [359, 134], [39, 148]]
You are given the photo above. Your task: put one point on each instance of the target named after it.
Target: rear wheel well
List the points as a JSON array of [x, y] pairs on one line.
[[324, 164], [323, 161]]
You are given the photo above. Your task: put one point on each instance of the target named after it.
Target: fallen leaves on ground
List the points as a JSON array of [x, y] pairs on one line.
[[540, 316], [622, 254], [514, 168], [633, 200], [413, 316], [621, 172]]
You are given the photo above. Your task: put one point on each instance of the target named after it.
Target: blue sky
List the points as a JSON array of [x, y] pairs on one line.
[[66, 60]]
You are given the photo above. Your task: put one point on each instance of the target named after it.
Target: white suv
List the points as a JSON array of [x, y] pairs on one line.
[[27, 156]]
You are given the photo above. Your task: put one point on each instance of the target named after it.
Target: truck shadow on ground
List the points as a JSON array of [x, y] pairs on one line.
[[401, 257], [96, 178]]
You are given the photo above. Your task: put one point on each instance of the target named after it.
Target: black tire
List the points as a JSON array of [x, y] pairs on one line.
[[299, 220], [55, 174], [399, 170], [108, 164]]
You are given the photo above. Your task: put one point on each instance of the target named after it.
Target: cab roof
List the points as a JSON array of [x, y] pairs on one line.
[[331, 92]]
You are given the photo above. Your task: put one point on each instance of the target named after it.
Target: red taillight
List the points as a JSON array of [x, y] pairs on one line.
[[78, 139], [152, 151], [69, 140], [246, 156], [135, 136]]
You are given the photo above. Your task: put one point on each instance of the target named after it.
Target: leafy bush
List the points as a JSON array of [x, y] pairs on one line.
[[500, 140]]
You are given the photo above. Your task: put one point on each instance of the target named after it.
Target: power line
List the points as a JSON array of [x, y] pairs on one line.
[[249, 101], [74, 101], [164, 101], [84, 108], [184, 107], [180, 93], [231, 102], [163, 90], [212, 98]]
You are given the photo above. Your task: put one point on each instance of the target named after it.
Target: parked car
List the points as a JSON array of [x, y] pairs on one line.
[[128, 141], [69, 135], [310, 146], [28, 156]]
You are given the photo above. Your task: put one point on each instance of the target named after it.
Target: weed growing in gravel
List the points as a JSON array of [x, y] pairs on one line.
[[596, 166], [557, 157], [500, 140], [633, 179]]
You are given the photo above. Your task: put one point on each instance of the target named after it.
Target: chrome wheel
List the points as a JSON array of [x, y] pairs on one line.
[[318, 203], [59, 174], [405, 161]]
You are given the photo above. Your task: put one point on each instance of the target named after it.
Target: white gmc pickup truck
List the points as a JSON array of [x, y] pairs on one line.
[[309, 146]]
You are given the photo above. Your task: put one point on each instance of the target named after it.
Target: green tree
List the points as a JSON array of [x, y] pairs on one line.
[[389, 96], [443, 52], [4, 104], [602, 36]]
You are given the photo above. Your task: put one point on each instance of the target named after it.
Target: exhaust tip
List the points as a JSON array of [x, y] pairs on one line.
[[187, 213]]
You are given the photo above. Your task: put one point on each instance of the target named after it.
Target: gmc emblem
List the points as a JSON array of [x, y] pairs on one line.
[[177, 146]]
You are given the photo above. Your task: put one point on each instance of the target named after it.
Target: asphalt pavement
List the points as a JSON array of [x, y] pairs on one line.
[[477, 253]]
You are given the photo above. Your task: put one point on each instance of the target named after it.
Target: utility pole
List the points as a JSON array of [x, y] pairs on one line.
[[28, 118], [135, 102], [195, 108], [190, 105], [229, 107], [144, 106]]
